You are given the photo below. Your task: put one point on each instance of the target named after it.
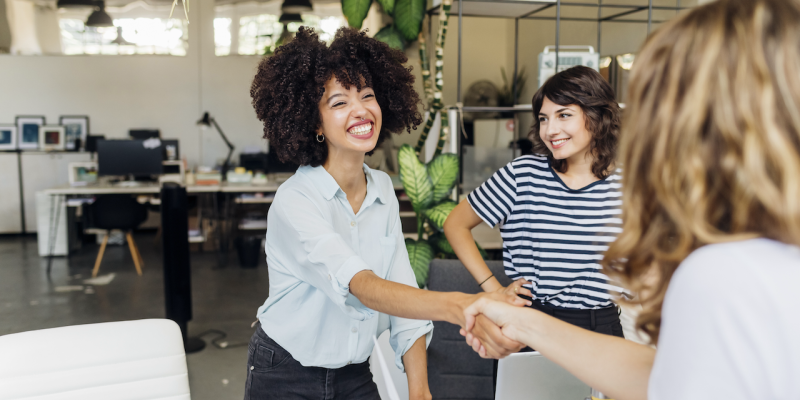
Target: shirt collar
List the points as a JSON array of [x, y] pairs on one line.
[[329, 188]]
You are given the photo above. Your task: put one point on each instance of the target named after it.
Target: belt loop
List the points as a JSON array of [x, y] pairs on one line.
[[594, 325]]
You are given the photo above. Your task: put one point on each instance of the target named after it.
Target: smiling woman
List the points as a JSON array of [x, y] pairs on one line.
[[336, 253]]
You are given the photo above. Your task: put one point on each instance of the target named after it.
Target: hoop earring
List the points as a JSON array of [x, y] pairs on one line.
[[318, 138]]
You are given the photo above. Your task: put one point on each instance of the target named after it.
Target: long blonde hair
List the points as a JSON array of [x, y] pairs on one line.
[[710, 147]]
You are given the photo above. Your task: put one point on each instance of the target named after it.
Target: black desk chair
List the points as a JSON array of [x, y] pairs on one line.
[[120, 212]]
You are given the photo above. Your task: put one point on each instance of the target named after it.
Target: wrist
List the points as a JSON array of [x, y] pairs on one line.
[[458, 302], [492, 285]]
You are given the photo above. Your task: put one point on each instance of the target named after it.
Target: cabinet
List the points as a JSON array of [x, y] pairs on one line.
[[10, 219], [42, 171]]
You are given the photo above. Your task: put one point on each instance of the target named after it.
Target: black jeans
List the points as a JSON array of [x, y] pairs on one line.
[[604, 320], [272, 373]]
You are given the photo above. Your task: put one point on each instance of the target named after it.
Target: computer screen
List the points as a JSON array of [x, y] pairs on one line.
[[129, 157], [144, 133]]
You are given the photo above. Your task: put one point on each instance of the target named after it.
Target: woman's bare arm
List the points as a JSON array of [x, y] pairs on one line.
[[615, 366]]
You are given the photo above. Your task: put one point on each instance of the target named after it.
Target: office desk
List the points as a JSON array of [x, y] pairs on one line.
[[51, 202]]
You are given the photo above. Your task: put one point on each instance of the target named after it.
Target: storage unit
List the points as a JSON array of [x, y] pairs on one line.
[[10, 218], [42, 171]]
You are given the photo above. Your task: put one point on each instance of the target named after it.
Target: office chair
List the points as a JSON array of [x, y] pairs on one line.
[[120, 212], [141, 359], [455, 371]]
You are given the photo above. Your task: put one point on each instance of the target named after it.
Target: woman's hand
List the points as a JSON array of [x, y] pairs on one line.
[[516, 288], [497, 314]]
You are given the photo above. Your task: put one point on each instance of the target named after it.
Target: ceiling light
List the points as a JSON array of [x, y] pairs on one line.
[[296, 6], [286, 18], [74, 3], [99, 18]]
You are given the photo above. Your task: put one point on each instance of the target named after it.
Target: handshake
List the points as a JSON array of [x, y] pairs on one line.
[[491, 320]]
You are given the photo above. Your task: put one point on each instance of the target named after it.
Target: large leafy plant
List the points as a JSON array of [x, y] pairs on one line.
[[406, 14], [428, 187]]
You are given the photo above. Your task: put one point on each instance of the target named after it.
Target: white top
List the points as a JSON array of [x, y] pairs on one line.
[[730, 326], [315, 245]]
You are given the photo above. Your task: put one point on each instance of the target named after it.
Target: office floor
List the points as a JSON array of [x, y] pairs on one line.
[[223, 299]]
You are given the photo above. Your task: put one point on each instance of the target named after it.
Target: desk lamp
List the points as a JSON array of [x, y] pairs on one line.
[[206, 122]]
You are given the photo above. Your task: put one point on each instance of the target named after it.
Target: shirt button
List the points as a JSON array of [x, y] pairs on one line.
[[352, 223], [329, 276], [354, 330], [252, 368]]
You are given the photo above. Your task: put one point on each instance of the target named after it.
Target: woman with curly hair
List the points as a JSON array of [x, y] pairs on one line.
[[339, 271], [558, 208], [710, 150]]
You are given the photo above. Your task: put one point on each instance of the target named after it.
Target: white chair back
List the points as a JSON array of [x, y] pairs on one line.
[[531, 376], [115, 360]]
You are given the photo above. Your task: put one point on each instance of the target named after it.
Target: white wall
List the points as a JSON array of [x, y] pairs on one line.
[[171, 93], [123, 92]]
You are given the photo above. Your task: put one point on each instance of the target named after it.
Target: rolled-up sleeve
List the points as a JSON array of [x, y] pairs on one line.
[[317, 254], [404, 332]]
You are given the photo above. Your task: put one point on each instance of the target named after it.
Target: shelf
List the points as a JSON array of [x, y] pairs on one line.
[[404, 214], [255, 200], [517, 108], [252, 228], [570, 11]]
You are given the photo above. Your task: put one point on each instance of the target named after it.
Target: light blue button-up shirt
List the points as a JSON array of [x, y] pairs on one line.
[[315, 245]]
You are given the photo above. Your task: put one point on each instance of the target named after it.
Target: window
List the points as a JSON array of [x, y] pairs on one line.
[[127, 36], [260, 33]]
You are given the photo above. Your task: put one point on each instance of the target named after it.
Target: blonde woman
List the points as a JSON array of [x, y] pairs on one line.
[[710, 150]]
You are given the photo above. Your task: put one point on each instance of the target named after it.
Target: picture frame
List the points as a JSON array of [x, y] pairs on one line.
[[82, 173], [28, 131], [76, 129], [51, 137], [8, 137]]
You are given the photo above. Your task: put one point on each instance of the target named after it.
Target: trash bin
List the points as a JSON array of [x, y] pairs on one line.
[[249, 249]]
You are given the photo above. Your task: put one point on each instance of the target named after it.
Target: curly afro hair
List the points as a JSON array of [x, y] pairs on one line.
[[289, 85]]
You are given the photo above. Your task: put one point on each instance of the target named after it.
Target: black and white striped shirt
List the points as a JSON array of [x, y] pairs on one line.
[[553, 236]]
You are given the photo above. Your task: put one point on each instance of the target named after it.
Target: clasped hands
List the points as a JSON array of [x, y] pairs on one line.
[[486, 325]]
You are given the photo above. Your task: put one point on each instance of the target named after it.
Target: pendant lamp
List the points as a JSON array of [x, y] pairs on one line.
[[296, 6], [74, 3], [99, 18], [286, 18]]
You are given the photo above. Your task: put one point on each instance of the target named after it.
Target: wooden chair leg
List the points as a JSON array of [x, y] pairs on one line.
[[138, 253], [133, 253], [100, 255]]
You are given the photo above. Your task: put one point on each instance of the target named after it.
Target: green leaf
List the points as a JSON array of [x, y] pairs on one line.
[[439, 241], [443, 170], [415, 179], [392, 37], [439, 214], [387, 5], [408, 16], [355, 11], [420, 255]]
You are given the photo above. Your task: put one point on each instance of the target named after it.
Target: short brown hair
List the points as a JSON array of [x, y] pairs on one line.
[[586, 88]]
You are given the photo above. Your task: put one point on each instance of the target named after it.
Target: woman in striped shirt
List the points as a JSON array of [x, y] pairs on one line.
[[558, 209]]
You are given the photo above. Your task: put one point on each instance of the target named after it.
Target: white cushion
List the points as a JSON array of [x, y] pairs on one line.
[[115, 360]]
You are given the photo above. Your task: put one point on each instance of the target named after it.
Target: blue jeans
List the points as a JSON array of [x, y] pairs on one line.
[[272, 373]]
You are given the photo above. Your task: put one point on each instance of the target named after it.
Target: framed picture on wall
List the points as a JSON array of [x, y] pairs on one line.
[[28, 131], [76, 128], [51, 137], [8, 137]]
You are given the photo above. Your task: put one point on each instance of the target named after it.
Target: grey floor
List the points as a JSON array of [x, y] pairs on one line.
[[223, 299]]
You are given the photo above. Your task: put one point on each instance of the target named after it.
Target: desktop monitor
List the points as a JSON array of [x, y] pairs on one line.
[[129, 157], [142, 134], [91, 142]]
